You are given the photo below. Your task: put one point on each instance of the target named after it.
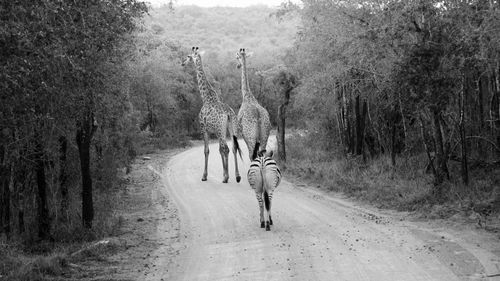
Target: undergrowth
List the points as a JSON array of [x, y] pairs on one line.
[[407, 186], [24, 258]]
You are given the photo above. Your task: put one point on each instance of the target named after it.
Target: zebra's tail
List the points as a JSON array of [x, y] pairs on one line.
[[267, 203]]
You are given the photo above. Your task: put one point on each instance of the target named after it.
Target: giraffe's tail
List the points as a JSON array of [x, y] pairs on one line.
[[232, 133], [257, 136], [237, 146], [255, 151]]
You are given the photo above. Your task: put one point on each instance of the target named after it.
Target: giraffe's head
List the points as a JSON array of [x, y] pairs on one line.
[[241, 57], [194, 57]]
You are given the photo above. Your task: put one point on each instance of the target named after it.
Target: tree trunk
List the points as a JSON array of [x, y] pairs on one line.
[[18, 187], [20, 206], [285, 100], [351, 131], [405, 132], [363, 129], [63, 177], [495, 110], [20, 222], [281, 132], [5, 201], [393, 144], [441, 161], [43, 211], [482, 92], [350, 137], [465, 170], [345, 135], [464, 166], [85, 131], [424, 141], [359, 128], [340, 128], [370, 139]]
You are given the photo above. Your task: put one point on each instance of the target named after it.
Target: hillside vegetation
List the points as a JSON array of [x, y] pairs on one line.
[[221, 31], [167, 94]]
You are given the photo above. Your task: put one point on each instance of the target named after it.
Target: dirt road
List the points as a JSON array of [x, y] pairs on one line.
[[315, 236]]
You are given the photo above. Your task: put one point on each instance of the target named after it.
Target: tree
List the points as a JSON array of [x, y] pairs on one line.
[[428, 71], [56, 60], [284, 82]]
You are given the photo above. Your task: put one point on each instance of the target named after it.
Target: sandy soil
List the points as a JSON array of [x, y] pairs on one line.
[[150, 229], [186, 229], [316, 236]]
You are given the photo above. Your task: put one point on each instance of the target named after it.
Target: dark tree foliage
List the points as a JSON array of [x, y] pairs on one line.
[[426, 72], [61, 77]]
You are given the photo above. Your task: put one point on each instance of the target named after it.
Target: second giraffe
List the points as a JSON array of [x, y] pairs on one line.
[[253, 119]]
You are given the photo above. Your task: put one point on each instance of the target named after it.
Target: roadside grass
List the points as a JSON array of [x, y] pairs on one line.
[[147, 142], [59, 264], [404, 187], [24, 257], [16, 265]]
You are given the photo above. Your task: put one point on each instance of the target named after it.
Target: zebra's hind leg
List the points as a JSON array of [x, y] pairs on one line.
[[261, 207], [270, 196], [267, 212], [266, 217]]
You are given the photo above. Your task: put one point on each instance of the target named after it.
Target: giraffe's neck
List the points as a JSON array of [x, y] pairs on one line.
[[245, 87], [208, 94]]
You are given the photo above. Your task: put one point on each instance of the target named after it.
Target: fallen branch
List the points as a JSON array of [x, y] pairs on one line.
[[486, 140], [90, 247], [475, 163]]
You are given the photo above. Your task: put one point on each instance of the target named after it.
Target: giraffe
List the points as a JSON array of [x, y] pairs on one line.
[[215, 117], [253, 119]]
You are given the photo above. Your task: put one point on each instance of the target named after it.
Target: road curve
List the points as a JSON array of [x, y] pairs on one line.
[[314, 236]]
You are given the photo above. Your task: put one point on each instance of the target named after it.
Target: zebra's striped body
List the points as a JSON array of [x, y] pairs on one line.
[[264, 176]]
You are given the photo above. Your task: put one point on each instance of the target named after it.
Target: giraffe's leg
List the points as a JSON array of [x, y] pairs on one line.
[[224, 153], [236, 171], [258, 194], [207, 151]]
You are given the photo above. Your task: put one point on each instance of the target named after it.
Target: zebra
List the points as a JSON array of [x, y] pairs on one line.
[[264, 176]]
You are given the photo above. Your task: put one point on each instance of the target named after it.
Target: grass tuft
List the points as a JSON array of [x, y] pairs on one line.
[[19, 266]]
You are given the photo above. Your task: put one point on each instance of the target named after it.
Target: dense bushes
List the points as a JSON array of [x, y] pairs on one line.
[[403, 80], [65, 120]]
